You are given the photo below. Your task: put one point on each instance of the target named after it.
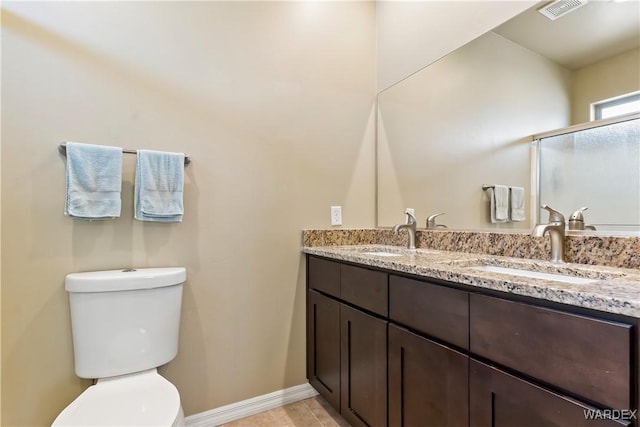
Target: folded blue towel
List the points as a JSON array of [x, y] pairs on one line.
[[94, 180], [159, 186]]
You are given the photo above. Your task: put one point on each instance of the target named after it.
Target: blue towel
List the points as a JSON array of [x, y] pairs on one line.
[[159, 186], [94, 180]]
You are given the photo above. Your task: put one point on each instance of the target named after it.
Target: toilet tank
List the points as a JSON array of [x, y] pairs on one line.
[[124, 321]]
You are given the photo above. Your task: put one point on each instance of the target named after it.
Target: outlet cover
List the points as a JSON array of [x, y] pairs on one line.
[[336, 215]]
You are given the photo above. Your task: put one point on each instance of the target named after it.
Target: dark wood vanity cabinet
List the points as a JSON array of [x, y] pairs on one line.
[[386, 349], [346, 345]]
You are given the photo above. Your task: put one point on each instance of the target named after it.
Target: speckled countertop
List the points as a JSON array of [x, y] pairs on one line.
[[613, 290]]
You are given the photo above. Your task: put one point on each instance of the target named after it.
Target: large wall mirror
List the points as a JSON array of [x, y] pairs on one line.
[[467, 120]]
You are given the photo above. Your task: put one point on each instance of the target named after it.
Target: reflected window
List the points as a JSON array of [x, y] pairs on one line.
[[618, 106], [598, 168]]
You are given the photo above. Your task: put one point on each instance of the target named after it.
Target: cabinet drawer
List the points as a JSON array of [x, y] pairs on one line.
[[435, 310], [324, 276], [582, 355], [364, 288]]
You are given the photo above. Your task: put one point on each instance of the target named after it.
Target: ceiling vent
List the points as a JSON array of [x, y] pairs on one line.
[[558, 8]]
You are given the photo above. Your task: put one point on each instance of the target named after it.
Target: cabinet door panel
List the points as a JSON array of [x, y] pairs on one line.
[[364, 368], [497, 399], [323, 346], [428, 383]]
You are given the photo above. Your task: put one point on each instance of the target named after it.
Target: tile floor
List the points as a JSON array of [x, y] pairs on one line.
[[312, 412]]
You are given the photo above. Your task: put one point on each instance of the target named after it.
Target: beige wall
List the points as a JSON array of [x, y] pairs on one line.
[[606, 79], [273, 101], [413, 34], [463, 122]]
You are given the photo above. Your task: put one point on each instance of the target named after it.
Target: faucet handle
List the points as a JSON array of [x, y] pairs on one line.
[[577, 215], [554, 215], [431, 221], [410, 218]]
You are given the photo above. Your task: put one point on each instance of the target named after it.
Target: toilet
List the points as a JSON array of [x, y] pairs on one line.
[[125, 323]]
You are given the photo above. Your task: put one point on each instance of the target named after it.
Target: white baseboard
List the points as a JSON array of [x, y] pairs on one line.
[[235, 411]]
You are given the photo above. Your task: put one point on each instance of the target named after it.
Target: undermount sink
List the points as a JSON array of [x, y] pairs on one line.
[[533, 274], [418, 256], [376, 250], [382, 253], [557, 272]]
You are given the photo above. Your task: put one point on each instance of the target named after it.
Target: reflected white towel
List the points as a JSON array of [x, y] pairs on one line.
[[517, 204], [499, 196], [159, 186], [94, 180]]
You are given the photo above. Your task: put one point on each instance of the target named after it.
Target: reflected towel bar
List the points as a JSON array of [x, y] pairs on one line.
[[63, 149]]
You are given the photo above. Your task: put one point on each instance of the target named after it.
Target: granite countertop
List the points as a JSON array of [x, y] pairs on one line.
[[609, 289]]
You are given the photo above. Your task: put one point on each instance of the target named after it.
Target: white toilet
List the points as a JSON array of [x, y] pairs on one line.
[[125, 324]]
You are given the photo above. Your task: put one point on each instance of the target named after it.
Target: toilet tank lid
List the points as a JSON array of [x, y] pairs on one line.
[[125, 279]]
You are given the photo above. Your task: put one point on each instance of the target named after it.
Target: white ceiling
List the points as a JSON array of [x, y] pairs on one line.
[[596, 31]]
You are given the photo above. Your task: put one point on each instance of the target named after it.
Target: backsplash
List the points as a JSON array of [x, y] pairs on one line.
[[621, 252]]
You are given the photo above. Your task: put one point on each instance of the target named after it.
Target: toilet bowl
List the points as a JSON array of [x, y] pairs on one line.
[[140, 399], [125, 323]]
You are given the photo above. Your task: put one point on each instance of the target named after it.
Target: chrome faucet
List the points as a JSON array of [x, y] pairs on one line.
[[431, 221], [410, 226], [555, 229]]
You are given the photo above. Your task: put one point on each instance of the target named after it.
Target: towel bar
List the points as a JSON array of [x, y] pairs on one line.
[[486, 186], [63, 149]]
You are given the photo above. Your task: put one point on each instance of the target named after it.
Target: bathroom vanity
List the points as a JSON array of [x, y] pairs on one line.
[[433, 338]]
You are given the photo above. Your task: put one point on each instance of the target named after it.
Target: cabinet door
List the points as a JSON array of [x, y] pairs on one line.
[[323, 346], [497, 399], [428, 383], [364, 368]]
